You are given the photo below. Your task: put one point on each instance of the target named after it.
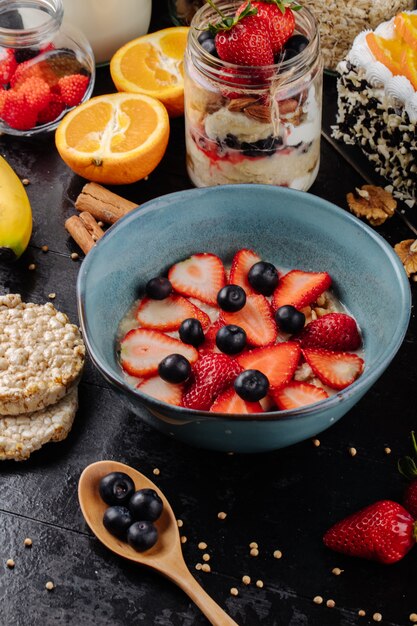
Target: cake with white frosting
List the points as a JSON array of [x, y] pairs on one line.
[[377, 101]]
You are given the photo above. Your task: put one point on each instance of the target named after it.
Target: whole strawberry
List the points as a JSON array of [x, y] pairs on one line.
[[333, 331], [383, 532], [212, 373], [280, 19], [408, 468]]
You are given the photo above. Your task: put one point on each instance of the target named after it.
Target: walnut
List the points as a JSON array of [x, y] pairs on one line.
[[373, 203], [407, 251]]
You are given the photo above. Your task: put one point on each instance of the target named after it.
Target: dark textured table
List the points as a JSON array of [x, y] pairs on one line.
[[283, 500]]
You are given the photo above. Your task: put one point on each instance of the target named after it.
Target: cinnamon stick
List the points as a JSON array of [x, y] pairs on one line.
[[76, 228], [91, 225], [103, 204]]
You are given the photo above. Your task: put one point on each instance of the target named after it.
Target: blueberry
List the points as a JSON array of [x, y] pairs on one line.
[[25, 54], [231, 339], [158, 288], [210, 47], [231, 298], [116, 488], [263, 277], [231, 141], [204, 35], [288, 53], [289, 319], [175, 368], [297, 43], [117, 520], [191, 332], [145, 504], [142, 535], [251, 385]]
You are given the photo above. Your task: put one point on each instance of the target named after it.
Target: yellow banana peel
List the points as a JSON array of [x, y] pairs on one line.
[[15, 214]]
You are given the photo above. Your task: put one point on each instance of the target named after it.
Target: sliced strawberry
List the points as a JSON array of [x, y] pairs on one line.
[[230, 402], [297, 394], [241, 264], [212, 374], [256, 319], [201, 276], [161, 390], [333, 331], [209, 344], [300, 288], [278, 363], [141, 351], [335, 369], [168, 314]]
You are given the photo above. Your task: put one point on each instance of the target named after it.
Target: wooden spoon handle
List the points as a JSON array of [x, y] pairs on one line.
[[184, 579]]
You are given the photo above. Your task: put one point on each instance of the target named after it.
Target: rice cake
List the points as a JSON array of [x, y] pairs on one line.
[[41, 355], [20, 435]]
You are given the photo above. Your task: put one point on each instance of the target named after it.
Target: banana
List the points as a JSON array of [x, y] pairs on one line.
[[15, 214]]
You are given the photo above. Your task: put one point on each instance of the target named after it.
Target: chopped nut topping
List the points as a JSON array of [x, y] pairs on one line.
[[407, 251], [318, 600], [258, 112], [373, 203], [239, 104]]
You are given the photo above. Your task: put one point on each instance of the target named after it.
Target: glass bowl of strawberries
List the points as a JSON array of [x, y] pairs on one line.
[[45, 69], [242, 318]]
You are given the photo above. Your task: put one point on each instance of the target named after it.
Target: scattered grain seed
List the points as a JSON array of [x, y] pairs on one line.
[[52, 296], [222, 515], [206, 557], [387, 450], [330, 604], [50, 585], [45, 248], [259, 583], [202, 545], [101, 224], [413, 618], [318, 600], [246, 580], [254, 552], [10, 563], [277, 554], [180, 523], [25, 182], [353, 451], [28, 542], [337, 571], [206, 567], [32, 267], [198, 566], [183, 539], [377, 617], [156, 471], [361, 613], [146, 178], [75, 256], [316, 442], [253, 544], [234, 591]]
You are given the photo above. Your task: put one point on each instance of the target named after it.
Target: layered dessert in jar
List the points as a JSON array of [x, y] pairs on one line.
[[253, 94]]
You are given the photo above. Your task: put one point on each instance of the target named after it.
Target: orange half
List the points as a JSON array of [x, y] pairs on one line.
[[387, 51], [406, 27], [409, 65], [154, 65], [114, 139]]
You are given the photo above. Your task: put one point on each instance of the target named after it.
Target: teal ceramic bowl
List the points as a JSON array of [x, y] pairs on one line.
[[289, 228]]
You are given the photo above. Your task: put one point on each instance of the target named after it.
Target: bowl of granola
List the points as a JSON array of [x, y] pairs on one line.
[[242, 318]]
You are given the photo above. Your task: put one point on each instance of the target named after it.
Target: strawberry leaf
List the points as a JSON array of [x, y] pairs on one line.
[[228, 22], [408, 465]]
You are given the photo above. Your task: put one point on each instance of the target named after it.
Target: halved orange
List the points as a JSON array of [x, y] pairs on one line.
[[114, 139], [387, 51], [406, 27], [409, 65], [154, 65]]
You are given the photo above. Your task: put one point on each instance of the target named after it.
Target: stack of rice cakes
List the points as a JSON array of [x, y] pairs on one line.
[[41, 360]]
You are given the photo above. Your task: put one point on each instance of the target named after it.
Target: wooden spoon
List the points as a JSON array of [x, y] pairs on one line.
[[165, 556]]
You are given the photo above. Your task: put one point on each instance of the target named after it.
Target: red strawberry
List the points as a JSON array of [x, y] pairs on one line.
[[230, 402], [142, 350], [335, 369], [408, 468], [8, 65], [212, 374], [201, 276], [16, 112], [278, 363], [247, 42], [161, 390], [241, 264], [168, 314], [297, 394], [3, 97], [300, 288], [209, 344], [333, 331], [51, 112], [279, 17], [72, 88], [256, 319], [37, 93], [383, 532]]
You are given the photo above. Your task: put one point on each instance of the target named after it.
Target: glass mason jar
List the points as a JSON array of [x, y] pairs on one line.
[[45, 70], [253, 124]]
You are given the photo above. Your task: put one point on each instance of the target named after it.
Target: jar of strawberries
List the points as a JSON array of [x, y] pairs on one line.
[[45, 70], [253, 94]]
